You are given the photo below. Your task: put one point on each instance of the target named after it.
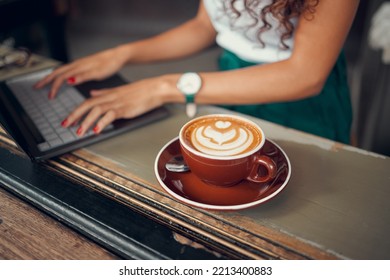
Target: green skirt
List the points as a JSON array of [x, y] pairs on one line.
[[328, 114]]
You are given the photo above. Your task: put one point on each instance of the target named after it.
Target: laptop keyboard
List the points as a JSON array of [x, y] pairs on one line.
[[47, 114]]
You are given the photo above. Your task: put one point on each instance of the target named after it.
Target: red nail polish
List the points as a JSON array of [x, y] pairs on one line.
[[65, 123], [96, 129], [71, 80], [79, 131]]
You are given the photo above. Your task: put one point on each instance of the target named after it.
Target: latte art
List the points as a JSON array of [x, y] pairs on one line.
[[223, 137]]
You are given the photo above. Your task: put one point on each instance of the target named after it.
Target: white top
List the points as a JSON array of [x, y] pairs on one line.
[[238, 39]]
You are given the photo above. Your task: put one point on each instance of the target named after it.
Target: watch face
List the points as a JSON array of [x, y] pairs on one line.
[[189, 83]]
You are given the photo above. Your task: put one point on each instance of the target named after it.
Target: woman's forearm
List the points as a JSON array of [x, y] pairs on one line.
[[276, 82]]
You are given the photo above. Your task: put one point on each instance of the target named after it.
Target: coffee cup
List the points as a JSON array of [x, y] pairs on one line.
[[224, 149]]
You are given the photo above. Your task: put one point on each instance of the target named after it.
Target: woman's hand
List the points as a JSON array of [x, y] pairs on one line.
[[126, 101], [94, 67]]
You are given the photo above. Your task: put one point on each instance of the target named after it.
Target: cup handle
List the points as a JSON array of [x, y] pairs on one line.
[[268, 163]]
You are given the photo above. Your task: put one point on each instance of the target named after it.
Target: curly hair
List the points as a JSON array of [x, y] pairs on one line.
[[283, 10]]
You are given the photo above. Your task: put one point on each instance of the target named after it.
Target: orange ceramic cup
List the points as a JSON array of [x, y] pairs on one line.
[[224, 149]]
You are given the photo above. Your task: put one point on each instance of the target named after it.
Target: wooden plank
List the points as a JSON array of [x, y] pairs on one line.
[[27, 233]]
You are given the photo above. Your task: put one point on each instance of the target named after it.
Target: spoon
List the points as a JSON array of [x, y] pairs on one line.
[[177, 164]]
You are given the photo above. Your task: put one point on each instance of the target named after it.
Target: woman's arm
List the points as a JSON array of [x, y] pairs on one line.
[[186, 39]]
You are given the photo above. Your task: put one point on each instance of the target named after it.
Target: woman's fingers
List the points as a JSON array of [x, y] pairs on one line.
[[49, 78], [73, 74], [104, 121], [56, 84], [90, 111], [89, 120]]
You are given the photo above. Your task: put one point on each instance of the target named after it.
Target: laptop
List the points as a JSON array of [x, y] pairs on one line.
[[34, 121]]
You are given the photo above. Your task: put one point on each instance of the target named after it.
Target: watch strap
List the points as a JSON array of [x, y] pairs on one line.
[[190, 98]]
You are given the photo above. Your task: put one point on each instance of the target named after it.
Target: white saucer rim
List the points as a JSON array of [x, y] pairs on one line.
[[220, 207]]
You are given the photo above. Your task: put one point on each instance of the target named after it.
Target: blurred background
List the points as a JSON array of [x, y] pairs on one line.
[[69, 29]]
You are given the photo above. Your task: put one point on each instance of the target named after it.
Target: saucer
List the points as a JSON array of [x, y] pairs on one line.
[[189, 189]]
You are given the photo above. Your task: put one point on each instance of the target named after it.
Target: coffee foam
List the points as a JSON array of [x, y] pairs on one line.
[[222, 136]]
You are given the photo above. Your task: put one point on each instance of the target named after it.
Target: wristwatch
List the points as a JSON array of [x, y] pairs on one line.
[[189, 84]]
